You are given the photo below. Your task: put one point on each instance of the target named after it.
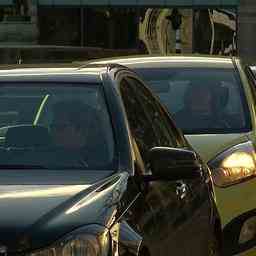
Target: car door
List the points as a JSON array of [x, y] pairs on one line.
[[171, 224], [157, 213]]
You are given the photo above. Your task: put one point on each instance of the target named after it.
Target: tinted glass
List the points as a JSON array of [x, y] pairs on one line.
[[155, 114], [201, 100], [17, 109], [55, 126], [139, 123]]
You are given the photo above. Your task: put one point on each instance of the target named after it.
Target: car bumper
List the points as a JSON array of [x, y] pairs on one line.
[[237, 208]]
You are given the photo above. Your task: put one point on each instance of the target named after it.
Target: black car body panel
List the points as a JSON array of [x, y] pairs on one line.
[[34, 216]]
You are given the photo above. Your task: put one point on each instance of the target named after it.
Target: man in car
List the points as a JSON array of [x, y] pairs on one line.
[[77, 134], [69, 124], [200, 108], [69, 128]]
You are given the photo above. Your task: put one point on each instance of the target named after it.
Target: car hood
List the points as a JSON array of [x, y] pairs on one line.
[[210, 145], [35, 216]]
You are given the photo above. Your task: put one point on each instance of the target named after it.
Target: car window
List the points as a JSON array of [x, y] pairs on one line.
[[67, 126], [158, 121], [140, 125], [201, 100], [17, 109]]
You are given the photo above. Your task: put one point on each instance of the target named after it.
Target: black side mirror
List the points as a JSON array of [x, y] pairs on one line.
[[174, 164]]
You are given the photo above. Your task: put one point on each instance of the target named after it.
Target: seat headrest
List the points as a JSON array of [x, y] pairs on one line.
[[27, 136]]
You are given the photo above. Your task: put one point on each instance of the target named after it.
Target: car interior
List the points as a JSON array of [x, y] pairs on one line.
[[29, 144]]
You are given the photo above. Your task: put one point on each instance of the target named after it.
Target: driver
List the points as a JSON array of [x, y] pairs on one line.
[[69, 131], [198, 109], [69, 124]]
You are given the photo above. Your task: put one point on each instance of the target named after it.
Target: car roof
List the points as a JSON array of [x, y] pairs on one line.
[[208, 61], [52, 72]]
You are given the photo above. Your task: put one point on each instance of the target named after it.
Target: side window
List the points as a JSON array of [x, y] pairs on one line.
[[162, 129], [140, 125]]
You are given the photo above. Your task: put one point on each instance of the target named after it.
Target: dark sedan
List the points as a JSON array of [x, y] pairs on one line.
[[100, 169]]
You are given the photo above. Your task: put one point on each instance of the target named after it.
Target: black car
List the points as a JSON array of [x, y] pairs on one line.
[[97, 167]]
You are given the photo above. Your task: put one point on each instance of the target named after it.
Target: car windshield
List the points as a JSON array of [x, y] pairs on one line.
[[201, 100], [14, 108], [55, 126]]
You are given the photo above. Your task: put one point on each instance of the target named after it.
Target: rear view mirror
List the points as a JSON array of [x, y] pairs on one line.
[[174, 164]]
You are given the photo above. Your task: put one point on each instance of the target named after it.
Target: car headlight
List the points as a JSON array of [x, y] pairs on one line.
[[78, 245], [234, 165]]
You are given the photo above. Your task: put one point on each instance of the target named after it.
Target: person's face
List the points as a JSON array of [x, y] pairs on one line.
[[65, 134], [201, 101]]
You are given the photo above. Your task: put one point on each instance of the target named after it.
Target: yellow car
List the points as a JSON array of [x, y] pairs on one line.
[[213, 100]]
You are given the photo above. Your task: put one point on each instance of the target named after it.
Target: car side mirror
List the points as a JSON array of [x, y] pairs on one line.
[[174, 164]]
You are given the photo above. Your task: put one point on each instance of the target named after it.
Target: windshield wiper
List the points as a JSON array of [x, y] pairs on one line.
[[22, 166]]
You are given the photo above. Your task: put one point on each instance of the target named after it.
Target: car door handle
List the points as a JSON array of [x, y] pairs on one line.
[[181, 190]]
